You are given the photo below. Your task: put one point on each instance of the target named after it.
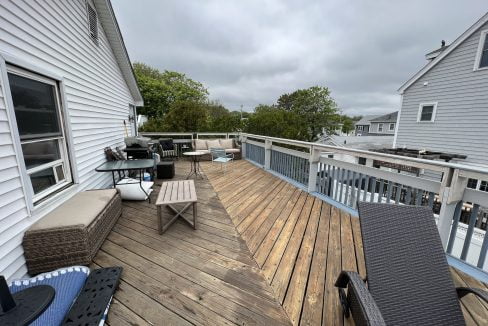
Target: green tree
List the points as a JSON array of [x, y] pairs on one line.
[[185, 116], [161, 89], [270, 120], [315, 109]]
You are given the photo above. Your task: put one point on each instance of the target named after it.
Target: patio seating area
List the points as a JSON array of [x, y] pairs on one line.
[[264, 252]]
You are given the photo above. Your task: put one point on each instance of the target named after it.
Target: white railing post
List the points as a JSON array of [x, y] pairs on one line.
[[451, 192], [267, 154], [243, 146], [314, 168]]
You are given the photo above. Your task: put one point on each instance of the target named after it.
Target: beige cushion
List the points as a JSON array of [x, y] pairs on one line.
[[204, 151], [82, 209], [200, 144], [232, 150], [227, 143], [213, 144]]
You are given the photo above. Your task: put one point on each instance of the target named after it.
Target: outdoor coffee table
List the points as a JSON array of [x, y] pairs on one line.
[[176, 192], [195, 164]]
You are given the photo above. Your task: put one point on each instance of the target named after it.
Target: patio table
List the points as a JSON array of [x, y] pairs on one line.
[[195, 164], [129, 165]]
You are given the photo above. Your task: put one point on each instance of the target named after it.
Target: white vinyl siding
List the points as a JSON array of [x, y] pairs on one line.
[[53, 36], [462, 110]]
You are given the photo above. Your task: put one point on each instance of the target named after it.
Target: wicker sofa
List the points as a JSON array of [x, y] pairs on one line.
[[204, 145], [73, 232]]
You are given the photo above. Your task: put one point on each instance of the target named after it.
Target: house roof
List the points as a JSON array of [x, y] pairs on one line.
[[365, 120], [444, 53], [109, 23], [390, 117]]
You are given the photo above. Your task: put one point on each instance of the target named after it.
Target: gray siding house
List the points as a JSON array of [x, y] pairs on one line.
[[377, 125], [445, 105]]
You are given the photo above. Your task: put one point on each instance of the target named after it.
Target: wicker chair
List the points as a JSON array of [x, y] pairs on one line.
[[408, 279]]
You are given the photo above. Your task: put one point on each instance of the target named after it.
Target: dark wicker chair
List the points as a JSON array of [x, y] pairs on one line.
[[408, 278]]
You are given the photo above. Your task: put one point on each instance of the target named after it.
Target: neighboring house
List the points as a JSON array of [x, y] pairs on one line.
[[383, 125], [377, 125], [362, 126], [445, 104], [66, 90]]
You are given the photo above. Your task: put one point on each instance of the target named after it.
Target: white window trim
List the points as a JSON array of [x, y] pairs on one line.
[[477, 61], [382, 129], [389, 127], [434, 112], [360, 127], [65, 155]]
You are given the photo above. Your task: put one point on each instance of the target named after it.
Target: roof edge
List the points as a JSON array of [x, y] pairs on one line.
[[116, 41], [444, 53]]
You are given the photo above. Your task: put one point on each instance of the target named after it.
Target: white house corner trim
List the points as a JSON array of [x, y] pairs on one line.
[[397, 125]]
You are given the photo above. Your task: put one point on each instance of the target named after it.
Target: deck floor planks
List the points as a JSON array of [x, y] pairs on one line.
[[296, 289], [313, 302], [278, 268]]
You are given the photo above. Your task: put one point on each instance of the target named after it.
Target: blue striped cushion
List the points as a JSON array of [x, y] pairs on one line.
[[67, 282]]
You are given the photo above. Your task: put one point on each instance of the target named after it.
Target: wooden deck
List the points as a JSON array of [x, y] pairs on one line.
[[264, 252]]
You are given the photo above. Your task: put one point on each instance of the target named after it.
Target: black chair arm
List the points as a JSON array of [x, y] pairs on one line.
[[359, 300], [462, 291]]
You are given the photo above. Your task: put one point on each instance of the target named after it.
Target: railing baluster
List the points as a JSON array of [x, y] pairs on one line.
[[484, 249], [389, 189], [398, 193], [328, 182], [373, 189], [380, 192], [431, 199], [336, 179], [358, 191], [341, 185], [366, 186], [346, 192], [408, 197], [420, 195], [353, 190], [455, 222], [469, 233]]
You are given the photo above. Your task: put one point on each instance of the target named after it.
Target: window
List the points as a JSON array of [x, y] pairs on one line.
[[362, 160], [427, 112], [40, 127], [392, 127], [472, 183], [360, 127], [484, 186], [92, 22], [482, 55], [380, 127]]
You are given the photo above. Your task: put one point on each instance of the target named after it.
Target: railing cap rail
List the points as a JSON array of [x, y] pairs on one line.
[[358, 152]]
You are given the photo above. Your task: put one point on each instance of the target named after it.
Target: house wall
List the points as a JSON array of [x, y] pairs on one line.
[[53, 36], [386, 125], [461, 120]]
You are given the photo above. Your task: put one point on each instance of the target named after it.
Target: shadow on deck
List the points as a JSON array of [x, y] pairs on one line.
[[264, 252]]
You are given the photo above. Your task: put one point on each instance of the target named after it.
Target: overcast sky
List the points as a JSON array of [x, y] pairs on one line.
[[250, 52]]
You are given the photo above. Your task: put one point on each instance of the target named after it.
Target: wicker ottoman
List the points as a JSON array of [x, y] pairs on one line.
[[73, 232]]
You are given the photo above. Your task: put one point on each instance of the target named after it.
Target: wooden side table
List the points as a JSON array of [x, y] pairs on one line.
[[176, 192]]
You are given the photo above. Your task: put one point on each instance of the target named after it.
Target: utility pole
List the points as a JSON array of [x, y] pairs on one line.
[[241, 111]]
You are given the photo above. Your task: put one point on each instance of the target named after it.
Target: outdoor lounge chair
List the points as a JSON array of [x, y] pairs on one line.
[[408, 278], [219, 156]]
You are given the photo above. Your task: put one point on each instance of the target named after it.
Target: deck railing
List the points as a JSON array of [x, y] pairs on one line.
[[334, 173]]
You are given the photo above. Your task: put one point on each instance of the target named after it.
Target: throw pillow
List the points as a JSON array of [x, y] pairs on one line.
[[213, 144], [227, 143], [200, 144]]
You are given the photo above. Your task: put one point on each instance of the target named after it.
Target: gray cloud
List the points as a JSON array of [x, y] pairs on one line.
[[250, 52]]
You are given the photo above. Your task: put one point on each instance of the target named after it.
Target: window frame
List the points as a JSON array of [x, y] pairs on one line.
[[479, 52], [434, 112], [380, 125], [360, 128], [390, 127], [63, 142]]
